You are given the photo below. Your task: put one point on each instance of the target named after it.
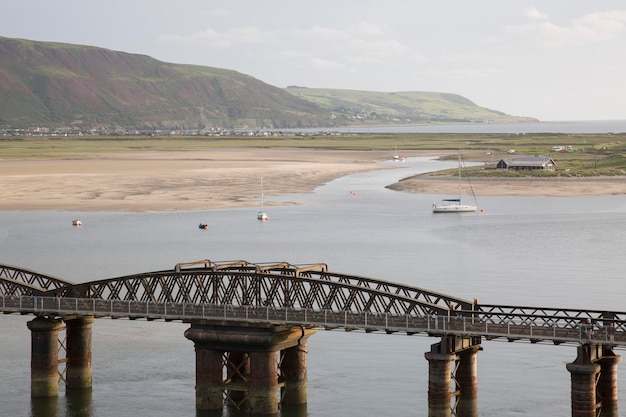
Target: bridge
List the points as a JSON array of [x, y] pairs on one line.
[[250, 323]]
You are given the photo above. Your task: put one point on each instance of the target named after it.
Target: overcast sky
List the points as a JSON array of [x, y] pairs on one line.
[[549, 59]]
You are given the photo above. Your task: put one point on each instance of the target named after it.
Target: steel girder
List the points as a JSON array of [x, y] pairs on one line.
[[548, 316], [19, 281], [264, 289]]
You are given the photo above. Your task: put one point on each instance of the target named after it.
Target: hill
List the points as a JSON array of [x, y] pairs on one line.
[[56, 84], [63, 85], [371, 107]]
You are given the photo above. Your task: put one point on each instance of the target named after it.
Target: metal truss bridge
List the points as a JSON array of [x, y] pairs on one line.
[[304, 295]]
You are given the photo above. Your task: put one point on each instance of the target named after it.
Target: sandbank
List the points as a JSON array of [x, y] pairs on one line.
[[174, 180], [519, 187], [226, 178]]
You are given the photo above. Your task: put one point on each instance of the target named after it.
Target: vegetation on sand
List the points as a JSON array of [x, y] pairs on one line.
[[591, 155]]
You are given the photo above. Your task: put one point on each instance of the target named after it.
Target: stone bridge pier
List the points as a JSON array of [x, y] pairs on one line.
[[249, 367]]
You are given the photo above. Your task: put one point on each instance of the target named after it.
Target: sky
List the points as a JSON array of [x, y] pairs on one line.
[[556, 60]]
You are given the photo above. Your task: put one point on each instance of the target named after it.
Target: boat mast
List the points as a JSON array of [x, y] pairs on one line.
[[459, 177]]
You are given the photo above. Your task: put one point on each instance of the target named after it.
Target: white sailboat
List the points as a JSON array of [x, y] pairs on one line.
[[262, 215], [397, 157], [455, 205]]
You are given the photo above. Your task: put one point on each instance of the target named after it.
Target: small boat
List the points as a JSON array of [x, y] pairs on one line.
[[397, 157], [454, 205], [203, 226], [262, 215], [77, 222]]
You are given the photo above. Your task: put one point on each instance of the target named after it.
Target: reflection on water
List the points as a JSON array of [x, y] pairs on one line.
[[77, 403], [45, 407]]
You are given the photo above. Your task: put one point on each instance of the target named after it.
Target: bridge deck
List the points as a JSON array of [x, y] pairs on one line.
[[464, 324]]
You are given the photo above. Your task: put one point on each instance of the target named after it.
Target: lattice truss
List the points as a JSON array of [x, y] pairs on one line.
[[18, 281], [274, 285], [548, 316]]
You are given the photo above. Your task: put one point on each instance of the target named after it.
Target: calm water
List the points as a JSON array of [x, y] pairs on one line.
[[565, 252], [593, 126]]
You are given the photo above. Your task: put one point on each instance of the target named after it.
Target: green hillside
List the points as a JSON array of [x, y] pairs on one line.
[[371, 107], [62, 85], [56, 84]]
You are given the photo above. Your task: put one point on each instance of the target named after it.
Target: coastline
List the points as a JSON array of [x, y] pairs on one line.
[[515, 187], [187, 180]]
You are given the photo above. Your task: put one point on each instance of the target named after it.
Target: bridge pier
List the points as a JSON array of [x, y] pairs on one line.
[[607, 383], [44, 360], [249, 358], [78, 371], [453, 360], [45, 355], [594, 381], [294, 372]]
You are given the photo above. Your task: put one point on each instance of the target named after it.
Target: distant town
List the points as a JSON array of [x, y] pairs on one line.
[[74, 132]]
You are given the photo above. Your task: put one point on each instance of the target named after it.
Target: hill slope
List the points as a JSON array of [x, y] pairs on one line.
[[61, 85], [348, 106]]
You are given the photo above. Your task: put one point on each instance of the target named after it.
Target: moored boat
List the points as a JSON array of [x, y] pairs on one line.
[[455, 205], [262, 215]]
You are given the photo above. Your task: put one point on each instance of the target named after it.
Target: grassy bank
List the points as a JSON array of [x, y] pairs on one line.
[[592, 155]]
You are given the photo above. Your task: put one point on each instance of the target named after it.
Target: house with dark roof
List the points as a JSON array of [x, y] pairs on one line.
[[531, 162]]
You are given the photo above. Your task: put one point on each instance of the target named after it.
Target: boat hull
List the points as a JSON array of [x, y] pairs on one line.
[[454, 208]]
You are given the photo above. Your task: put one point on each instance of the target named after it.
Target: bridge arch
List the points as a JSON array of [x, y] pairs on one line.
[[278, 285], [20, 281]]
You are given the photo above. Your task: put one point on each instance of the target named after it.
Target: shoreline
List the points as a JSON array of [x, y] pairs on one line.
[[186, 180], [190, 180], [514, 187]]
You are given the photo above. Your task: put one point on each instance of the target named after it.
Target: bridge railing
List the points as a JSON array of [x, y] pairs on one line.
[[469, 324]]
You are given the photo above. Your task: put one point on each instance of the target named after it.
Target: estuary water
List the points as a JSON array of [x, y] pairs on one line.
[[533, 251], [578, 126]]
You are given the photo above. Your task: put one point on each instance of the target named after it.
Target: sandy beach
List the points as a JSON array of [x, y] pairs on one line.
[[212, 179], [521, 187], [173, 180]]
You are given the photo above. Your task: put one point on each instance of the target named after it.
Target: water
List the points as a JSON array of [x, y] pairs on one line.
[[579, 126], [559, 252]]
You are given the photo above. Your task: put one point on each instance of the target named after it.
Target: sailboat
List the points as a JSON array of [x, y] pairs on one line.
[[262, 215], [397, 157], [454, 205]]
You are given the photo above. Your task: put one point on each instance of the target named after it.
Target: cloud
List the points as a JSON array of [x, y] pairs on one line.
[[533, 13], [323, 64], [591, 28], [212, 39], [367, 29]]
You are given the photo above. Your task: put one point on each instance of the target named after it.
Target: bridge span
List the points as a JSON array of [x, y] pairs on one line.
[[250, 323]]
